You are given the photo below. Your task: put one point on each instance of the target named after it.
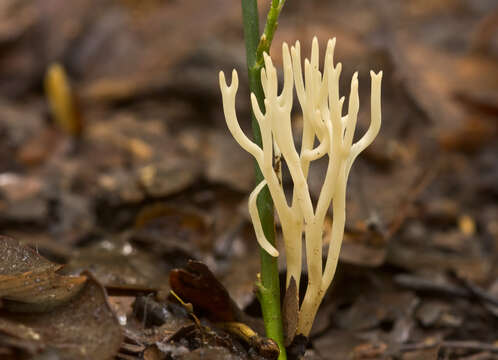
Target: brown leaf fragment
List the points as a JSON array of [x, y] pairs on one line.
[[84, 328], [290, 312], [38, 292], [28, 282], [197, 285]]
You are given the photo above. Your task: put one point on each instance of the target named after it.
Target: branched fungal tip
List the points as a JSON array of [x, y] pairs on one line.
[[321, 105]]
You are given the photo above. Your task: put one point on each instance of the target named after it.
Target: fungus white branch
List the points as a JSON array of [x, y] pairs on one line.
[[321, 105]]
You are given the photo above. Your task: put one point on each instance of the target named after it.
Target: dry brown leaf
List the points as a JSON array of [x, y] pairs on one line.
[[290, 311], [84, 328], [198, 285], [29, 282]]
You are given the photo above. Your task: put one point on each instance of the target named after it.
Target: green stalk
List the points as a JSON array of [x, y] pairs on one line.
[[269, 286]]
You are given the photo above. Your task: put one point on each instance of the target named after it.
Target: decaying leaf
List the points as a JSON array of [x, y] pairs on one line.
[[290, 311], [84, 328], [197, 285], [28, 282]]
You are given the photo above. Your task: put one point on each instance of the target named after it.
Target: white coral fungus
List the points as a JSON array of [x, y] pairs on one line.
[[324, 124]]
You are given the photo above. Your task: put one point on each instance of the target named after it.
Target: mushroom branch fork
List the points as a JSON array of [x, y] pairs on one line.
[[325, 133]]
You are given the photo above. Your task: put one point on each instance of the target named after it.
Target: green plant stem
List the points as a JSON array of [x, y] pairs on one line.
[[268, 286], [270, 27]]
